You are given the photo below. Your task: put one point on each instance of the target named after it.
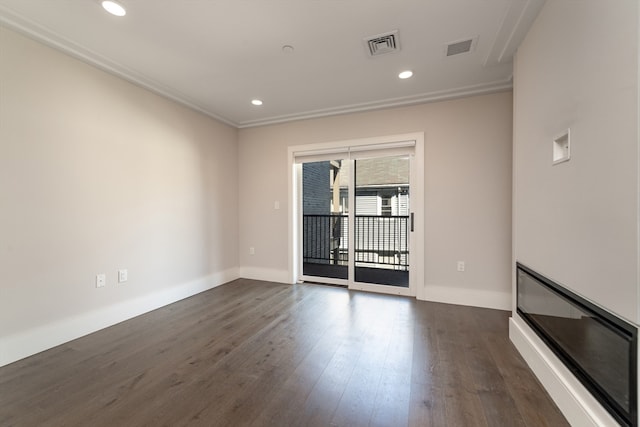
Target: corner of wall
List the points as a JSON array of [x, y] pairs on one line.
[[469, 297], [265, 274]]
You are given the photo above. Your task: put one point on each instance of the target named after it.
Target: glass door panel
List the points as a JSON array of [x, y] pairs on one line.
[[382, 221], [325, 219], [353, 215]]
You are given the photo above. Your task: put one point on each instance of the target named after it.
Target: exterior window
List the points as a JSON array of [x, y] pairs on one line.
[[385, 207]]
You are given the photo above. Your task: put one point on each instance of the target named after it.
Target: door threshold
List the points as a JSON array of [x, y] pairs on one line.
[[335, 285]]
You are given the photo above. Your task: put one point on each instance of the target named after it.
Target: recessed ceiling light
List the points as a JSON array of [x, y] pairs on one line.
[[256, 102], [287, 48], [114, 8], [405, 74]]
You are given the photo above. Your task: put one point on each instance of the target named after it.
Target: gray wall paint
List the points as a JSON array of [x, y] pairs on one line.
[[577, 222], [97, 175], [467, 168]]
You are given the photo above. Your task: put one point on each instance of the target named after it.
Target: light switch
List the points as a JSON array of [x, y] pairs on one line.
[[101, 280], [122, 276], [562, 147]]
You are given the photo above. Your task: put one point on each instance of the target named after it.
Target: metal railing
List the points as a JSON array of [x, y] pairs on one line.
[[323, 239], [380, 241]]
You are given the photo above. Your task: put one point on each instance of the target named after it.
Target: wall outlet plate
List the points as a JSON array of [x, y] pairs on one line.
[[123, 276], [101, 280]]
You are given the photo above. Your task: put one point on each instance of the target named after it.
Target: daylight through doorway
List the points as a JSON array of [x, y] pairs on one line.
[[325, 220], [381, 221]]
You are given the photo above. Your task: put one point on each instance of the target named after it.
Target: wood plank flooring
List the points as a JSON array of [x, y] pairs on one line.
[[253, 353]]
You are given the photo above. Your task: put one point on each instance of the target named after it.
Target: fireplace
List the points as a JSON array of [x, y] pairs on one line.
[[599, 348]]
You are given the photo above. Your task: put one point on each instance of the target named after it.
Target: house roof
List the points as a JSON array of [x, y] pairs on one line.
[[379, 172]]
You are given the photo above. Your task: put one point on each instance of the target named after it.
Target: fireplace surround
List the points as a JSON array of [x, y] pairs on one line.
[[599, 348]]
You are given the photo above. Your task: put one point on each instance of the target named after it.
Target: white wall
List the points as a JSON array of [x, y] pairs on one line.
[[577, 222], [97, 175], [467, 191]]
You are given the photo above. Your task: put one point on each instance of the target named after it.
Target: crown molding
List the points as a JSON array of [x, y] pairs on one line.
[[427, 97], [517, 20], [37, 32], [11, 20]]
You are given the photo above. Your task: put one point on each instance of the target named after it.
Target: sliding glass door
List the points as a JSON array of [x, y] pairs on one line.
[[382, 220], [354, 215], [325, 219]]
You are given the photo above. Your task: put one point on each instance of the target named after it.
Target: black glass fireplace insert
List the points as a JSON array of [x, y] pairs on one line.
[[599, 348]]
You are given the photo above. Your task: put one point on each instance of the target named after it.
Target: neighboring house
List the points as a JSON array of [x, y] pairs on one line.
[[382, 186]]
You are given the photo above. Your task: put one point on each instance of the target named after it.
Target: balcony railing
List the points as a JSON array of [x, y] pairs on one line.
[[380, 241]]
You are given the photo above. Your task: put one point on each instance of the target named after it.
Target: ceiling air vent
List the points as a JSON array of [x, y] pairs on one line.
[[456, 48], [383, 43]]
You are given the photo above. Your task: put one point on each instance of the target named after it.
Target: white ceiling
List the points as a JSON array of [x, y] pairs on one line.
[[218, 55]]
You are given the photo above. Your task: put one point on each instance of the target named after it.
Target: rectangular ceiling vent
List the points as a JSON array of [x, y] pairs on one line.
[[382, 44], [456, 48]]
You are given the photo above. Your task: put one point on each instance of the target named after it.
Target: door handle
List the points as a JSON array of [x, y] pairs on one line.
[[412, 222]]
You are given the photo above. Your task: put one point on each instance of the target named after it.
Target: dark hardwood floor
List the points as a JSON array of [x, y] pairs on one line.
[[253, 353]]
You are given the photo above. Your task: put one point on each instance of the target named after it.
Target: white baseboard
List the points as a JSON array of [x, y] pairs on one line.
[[469, 297], [575, 402], [266, 274], [32, 341]]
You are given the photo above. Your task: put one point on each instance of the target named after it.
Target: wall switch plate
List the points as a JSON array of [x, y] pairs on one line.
[[101, 280], [276, 205], [562, 147], [461, 266], [123, 275], [252, 251]]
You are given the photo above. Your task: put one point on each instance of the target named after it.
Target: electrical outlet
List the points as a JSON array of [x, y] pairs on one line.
[[101, 280], [461, 266], [252, 250], [123, 275]]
